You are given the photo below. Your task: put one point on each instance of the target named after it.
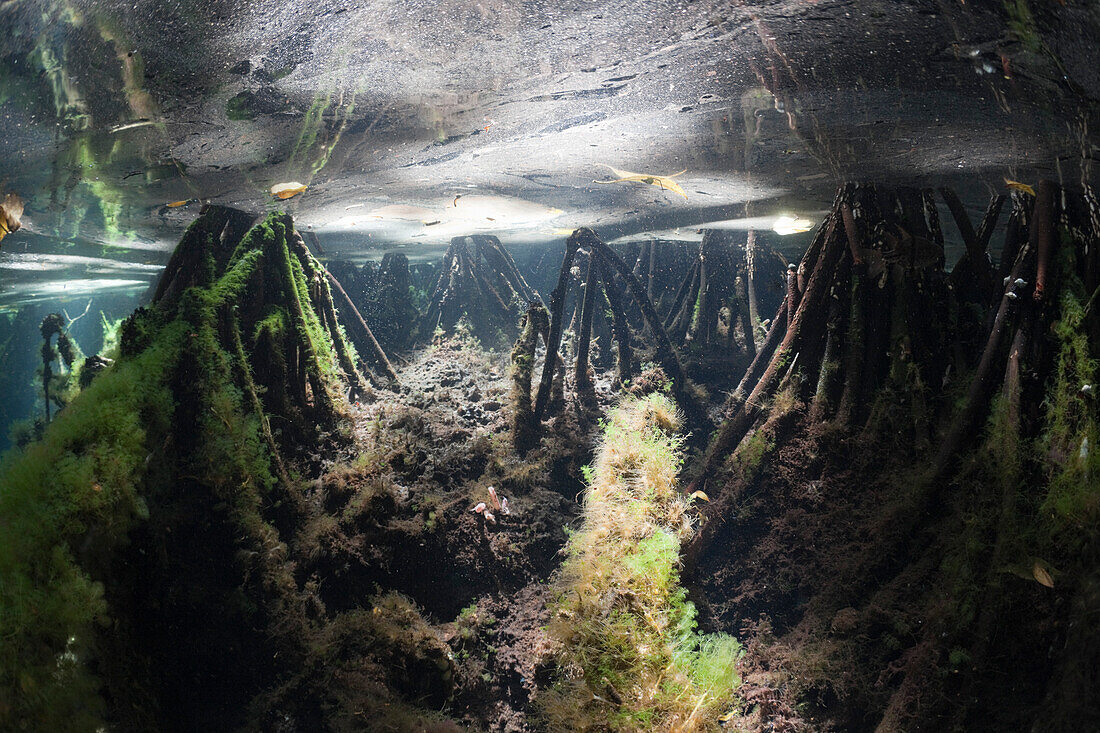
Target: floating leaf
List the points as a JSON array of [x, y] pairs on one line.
[[1041, 574], [11, 211], [1022, 187], [287, 190], [699, 495], [664, 182]]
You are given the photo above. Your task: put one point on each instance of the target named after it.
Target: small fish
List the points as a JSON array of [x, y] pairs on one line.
[[131, 125], [663, 182], [914, 252], [1021, 187], [287, 190], [431, 223], [178, 204]]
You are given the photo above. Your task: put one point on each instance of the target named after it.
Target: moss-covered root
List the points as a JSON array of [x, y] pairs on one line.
[[321, 295], [630, 657], [95, 516], [525, 432]]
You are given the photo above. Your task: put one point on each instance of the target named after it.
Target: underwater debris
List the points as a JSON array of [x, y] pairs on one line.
[[663, 182], [495, 502], [287, 190]]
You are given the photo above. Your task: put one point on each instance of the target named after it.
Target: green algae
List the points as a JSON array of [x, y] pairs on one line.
[[178, 410]]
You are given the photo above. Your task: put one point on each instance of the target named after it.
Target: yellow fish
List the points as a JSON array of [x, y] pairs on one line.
[[1022, 187], [664, 182], [11, 211], [177, 204], [287, 190]]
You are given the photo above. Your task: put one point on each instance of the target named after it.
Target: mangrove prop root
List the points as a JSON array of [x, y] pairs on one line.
[[750, 281], [361, 334], [280, 250], [581, 378], [743, 314], [989, 221], [321, 294], [854, 343], [215, 232], [686, 285], [479, 280], [666, 354], [776, 331], [254, 397], [829, 362], [557, 306], [982, 383], [738, 425], [1043, 235], [682, 320], [536, 323], [962, 221], [619, 325], [699, 318], [793, 294]]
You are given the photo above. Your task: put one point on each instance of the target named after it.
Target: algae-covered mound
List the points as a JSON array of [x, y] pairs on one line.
[[142, 539], [630, 657]]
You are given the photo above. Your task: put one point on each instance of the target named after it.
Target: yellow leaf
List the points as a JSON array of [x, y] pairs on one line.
[[1017, 186], [286, 190], [663, 182], [699, 495], [1041, 575]]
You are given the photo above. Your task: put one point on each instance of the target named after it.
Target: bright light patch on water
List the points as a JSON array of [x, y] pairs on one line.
[[23, 293], [52, 262]]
